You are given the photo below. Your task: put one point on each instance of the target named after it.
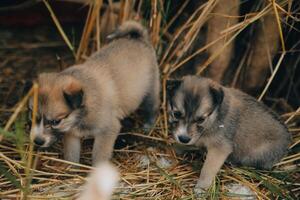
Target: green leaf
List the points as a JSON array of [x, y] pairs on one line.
[[7, 134], [6, 173]]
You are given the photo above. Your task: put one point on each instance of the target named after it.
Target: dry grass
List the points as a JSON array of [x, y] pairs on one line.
[[28, 174]]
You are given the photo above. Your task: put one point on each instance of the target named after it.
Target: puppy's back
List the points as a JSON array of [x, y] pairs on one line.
[[124, 71], [260, 133], [132, 63]]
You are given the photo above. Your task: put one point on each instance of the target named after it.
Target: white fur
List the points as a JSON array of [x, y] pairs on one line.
[[181, 130], [38, 131], [67, 123], [101, 183]]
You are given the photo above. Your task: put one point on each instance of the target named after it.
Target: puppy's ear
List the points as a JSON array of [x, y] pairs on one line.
[[73, 93], [172, 86], [74, 100], [217, 94]]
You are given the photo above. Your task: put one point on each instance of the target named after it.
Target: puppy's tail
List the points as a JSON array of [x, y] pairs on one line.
[[100, 183], [130, 29]]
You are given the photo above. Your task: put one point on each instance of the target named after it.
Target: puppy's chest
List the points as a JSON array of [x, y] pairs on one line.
[[212, 139], [83, 128]]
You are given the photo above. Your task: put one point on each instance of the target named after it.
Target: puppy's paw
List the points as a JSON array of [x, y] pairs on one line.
[[199, 192], [201, 188]]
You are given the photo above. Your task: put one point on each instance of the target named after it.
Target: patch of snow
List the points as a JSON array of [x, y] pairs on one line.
[[240, 191], [123, 189], [144, 161], [164, 163]]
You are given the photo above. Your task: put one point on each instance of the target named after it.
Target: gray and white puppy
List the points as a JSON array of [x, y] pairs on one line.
[[90, 99], [231, 125]]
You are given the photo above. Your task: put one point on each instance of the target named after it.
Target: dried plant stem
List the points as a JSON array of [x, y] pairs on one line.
[[293, 115], [202, 49], [272, 77], [17, 163], [288, 159], [217, 53], [98, 30], [19, 108], [90, 22], [59, 27], [155, 23], [274, 4], [29, 165], [194, 30], [164, 105], [242, 25], [168, 55], [165, 29], [239, 68], [144, 136], [296, 143], [221, 18], [125, 11]]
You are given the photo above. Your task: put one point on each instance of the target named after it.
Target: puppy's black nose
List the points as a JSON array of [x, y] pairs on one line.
[[184, 139], [39, 141]]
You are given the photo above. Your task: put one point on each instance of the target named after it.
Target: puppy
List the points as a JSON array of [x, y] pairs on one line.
[[230, 124], [100, 183], [91, 98]]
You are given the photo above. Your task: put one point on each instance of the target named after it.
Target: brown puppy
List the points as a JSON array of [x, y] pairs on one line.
[[91, 98], [231, 125]]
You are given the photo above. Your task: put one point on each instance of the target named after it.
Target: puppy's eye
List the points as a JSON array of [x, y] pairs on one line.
[[55, 122], [199, 120], [199, 128], [177, 114]]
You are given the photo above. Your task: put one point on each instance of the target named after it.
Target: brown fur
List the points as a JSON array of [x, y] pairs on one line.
[[217, 24], [264, 49], [231, 125], [111, 84]]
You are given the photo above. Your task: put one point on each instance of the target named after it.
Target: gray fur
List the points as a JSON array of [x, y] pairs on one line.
[[237, 128]]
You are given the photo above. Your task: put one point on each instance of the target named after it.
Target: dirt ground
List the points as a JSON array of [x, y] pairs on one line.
[[24, 53]]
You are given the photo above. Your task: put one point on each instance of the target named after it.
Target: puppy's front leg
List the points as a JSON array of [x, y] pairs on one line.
[[104, 144], [215, 158], [72, 148]]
